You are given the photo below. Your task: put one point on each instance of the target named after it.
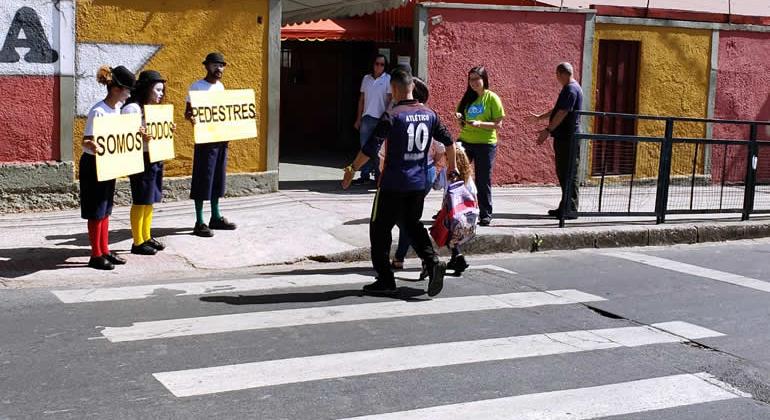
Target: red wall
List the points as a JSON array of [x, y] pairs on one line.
[[743, 93], [520, 51], [29, 119]]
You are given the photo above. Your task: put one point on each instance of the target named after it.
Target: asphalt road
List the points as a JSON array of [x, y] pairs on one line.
[[645, 333]]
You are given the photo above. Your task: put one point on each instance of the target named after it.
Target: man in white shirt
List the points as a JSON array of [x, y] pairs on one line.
[[209, 159], [373, 102]]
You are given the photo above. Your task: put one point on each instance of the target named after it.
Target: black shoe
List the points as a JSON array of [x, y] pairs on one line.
[[202, 230], [436, 273], [158, 245], [143, 249], [100, 263], [381, 288], [362, 181], [485, 221], [221, 224], [114, 258], [424, 272], [553, 212], [458, 264]]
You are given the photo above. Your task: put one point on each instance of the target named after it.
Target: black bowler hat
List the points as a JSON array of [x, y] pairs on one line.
[[123, 77], [215, 57], [150, 77]]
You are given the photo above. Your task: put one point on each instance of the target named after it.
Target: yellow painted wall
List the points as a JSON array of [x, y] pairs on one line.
[[188, 30], [673, 81]]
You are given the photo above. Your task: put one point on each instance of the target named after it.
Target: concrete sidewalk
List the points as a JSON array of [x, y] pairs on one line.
[[314, 221]]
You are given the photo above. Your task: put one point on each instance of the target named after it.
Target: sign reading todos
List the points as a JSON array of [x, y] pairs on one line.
[[119, 146], [159, 123], [224, 115]]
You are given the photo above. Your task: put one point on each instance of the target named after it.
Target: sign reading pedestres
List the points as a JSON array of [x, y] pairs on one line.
[[159, 123], [119, 146], [224, 115]]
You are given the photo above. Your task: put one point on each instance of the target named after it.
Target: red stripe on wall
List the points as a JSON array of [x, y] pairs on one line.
[[29, 119]]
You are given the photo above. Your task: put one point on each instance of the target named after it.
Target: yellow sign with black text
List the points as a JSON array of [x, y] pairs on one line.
[[224, 115], [159, 124], [119, 146]]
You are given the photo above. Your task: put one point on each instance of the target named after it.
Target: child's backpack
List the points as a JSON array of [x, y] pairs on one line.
[[457, 219]]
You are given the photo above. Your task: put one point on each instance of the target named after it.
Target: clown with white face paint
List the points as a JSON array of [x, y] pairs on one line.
[[96, 197], [147, 186]]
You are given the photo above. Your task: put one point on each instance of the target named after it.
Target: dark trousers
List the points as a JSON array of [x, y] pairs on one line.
[[561, 147], [404, 208], [483, 158]]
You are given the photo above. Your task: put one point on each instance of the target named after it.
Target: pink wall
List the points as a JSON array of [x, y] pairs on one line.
[[29, 120], [520, 51], [743, 92]]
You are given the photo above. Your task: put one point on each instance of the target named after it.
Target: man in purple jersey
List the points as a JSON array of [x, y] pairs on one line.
[[409, 127]]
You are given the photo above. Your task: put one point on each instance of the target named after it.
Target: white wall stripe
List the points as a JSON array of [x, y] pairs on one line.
[[583, 403], [208, 287], [276, 372], [341, 313], [694, 270]]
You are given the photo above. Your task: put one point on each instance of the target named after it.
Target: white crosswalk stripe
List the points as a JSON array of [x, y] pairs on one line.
[[340, 313], [583, 403], [275, 372], [208, 287], [108, 294], [693, 270]]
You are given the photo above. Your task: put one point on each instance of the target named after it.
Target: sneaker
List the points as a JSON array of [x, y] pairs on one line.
[[458, 264], [202, 230], [158, 245], [485, 221], [100, 263], [221, 224], [114, 258], [143, 249], [381, 288], [362, 181], [396, 265], [436, 278]]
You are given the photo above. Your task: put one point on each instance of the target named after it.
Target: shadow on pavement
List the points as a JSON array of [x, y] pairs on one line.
[[81, 239], [19, 262], [409, 294]]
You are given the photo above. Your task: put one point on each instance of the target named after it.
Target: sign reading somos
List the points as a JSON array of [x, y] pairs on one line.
[[224, 115], [119, 146], [159, 123]]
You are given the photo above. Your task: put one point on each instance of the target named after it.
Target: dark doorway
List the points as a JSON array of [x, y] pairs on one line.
[[319, 96], [618, 80]]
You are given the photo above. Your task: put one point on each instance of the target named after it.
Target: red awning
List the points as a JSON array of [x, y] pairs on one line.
[[330, 30]]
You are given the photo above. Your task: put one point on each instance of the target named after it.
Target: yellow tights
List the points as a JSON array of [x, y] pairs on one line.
[[141, 223]]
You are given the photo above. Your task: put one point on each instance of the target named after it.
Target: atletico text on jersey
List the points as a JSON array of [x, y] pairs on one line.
[[409, 128]]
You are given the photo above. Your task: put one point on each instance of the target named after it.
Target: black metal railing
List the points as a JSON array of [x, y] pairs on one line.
[[660, 175]]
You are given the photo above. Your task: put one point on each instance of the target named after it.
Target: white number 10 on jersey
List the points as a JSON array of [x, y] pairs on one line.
[[419, 137]]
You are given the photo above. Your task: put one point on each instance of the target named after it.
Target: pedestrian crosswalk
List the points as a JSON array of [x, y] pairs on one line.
[[348, 361]]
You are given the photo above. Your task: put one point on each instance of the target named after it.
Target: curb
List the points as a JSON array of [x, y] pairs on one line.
[[501, 240]]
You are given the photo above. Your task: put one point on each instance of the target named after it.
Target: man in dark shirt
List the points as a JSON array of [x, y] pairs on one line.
[[563, 123], [409, 128]]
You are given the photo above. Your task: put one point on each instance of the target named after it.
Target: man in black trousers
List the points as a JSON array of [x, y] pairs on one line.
[[408, 128], [563, 123]]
